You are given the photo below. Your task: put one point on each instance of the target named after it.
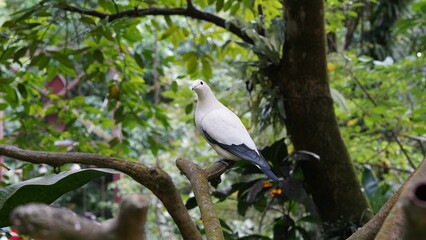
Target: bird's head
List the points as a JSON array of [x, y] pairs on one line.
[[199, 86]]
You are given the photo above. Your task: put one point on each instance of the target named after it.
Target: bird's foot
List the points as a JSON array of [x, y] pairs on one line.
[[226, 162]]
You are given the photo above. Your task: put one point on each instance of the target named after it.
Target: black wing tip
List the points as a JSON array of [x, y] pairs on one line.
[[246, 153], [270, 174]]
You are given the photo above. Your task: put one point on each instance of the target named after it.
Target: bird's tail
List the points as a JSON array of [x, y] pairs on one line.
[[267, 171]]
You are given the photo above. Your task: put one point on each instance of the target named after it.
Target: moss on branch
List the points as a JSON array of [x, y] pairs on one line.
[[200, 186]]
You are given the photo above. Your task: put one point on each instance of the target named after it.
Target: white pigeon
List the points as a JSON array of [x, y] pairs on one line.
[[224, 131]]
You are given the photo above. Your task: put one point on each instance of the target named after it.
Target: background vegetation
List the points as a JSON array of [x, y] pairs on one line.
[[127, 95]]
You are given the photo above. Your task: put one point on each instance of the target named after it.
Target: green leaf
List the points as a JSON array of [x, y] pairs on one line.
[[20, 53], [62, 58], [168, 21], [88, 20], [254, 190], [235, 8], [7, 54], [118, 114], [188, 108], [22, 90], [352, 13], [369, 182], [340, 100], [153, 144], [191, 65], [139, 60], [227, 5], [242, 208], [3, 106], [174, 86], [207, 69], [97, 54], [276, 152], [44, 189], [168, 32], [219, 5]]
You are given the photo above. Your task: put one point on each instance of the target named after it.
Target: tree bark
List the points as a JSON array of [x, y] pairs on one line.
[[41, 221], [407, 219], [370, 230], [200, 186], [311, 121]]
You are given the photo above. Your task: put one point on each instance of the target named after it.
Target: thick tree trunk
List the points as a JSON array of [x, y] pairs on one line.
[[311, 121]]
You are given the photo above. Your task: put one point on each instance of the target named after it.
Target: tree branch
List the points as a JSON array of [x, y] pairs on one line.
[[395, 137], [154, 178], [190, 5], [44, 222], [370, 229], [217, 169], [394, 225], [378, 165], [190, 11], [200, 186]]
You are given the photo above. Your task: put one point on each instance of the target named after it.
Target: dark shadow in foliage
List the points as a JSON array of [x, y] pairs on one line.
[[264, 195]]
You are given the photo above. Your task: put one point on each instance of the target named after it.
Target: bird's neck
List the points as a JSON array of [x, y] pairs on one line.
[[207, 96], [208, 101]]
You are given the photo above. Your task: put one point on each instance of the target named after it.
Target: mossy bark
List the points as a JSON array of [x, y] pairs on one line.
[[311, 121]]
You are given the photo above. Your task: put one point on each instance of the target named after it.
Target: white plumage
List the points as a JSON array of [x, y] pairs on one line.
[[224, 130]]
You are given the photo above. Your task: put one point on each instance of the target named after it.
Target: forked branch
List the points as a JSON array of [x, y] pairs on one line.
[[154, 178], [200, 186]]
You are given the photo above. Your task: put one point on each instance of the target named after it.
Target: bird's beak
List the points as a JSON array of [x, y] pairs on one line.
[[193, 87]]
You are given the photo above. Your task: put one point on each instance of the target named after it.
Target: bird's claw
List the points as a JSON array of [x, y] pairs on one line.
[[226, 162]]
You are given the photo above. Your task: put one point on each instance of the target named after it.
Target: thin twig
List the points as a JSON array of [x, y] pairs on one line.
[[419, 140], [264, 214], [363, 88], [190, 5], [385, 167], [404, 151]]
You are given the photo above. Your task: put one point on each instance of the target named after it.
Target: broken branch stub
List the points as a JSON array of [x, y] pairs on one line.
[[40, 221]]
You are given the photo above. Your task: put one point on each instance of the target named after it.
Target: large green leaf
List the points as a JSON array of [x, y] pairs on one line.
[[44, 189], [369, 182]]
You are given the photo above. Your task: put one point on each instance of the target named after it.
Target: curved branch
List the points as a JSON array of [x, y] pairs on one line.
[[200, 186], [154, 178], [190, 11]]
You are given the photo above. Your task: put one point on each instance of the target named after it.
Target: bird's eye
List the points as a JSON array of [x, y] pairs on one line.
[[201, 83]]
